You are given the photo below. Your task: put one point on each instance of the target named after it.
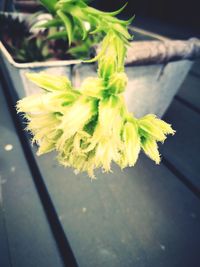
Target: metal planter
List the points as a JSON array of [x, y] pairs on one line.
[[151, 88]]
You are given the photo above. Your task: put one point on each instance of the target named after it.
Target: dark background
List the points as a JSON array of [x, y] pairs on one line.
[[182, 13]]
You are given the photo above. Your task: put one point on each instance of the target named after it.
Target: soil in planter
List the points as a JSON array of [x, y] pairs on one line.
[[26, 45]]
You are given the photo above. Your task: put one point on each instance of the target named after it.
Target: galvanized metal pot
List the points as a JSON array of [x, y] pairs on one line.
[[154, 76]]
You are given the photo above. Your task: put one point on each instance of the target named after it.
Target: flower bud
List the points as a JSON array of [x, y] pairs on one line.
[[107, 66], [131, 141], [50, 82], [150, 148], [117, 83], [92, 87], [155, 127]]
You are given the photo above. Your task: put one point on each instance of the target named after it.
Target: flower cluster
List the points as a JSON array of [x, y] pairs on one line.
[[90, 127]]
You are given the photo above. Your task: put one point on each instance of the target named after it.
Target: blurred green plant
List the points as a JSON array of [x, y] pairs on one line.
[[27, 43], [23, 45], [90, 126]]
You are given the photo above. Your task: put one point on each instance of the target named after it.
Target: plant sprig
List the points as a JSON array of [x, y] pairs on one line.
[[75, 13], [90, 127]]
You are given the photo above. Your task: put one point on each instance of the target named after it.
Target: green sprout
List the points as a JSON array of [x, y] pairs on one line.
[[90, 127]]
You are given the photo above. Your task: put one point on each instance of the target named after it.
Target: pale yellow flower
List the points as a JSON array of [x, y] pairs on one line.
[[76, 117], [109, 115], [149, 127], [117, 83], [151, 130], [150, 148], [50, 82], [93, 87], [107, 66], [165, 127], [131, 141], [44, 102]]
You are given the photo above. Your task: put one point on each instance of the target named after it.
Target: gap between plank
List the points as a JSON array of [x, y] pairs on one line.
[[194, 73], [181, 177], [187, 104]]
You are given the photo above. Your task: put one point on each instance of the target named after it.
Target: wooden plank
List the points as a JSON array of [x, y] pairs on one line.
[[196, 67], [182, 150], [140, 217], [29, 236], [143, 216], [4, 250], [190, 90]]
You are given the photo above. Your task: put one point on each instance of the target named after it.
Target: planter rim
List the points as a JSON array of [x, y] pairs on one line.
[[52, 63], [56, 63]]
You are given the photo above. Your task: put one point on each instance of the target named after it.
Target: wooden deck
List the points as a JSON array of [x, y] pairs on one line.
[[145, 216]]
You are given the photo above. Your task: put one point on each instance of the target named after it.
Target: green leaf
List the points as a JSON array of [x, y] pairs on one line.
[[51, 23], [114, 13], [81, 26], [68, 22]]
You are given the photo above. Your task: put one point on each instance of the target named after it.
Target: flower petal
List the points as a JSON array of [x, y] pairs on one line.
[[131, 139], [50, 82], [148, 126], [150, 148], [75, 118], [93, 87]]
